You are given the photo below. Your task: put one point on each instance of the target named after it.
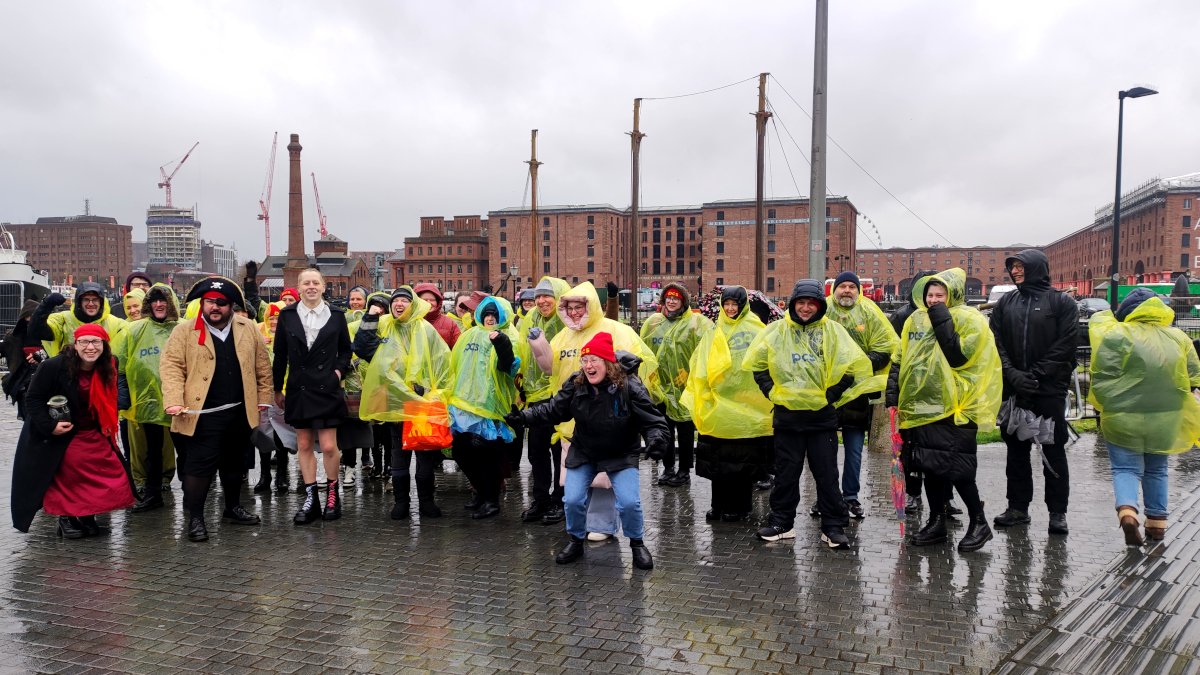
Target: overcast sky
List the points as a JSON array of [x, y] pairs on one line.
[[994, 121]]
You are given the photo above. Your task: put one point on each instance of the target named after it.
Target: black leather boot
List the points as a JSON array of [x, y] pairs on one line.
[[977, 535], [264, 474], [934, 531], [400, 510], [641, 555], [282, 483], [68, 528], [571, 552], [310, 510], [427, 506], [333, 500], [196, 530]]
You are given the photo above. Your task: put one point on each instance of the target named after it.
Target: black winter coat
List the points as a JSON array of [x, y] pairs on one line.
[[608, 421], [733, 457], [39, 451], [314, 390], [1035, 328]]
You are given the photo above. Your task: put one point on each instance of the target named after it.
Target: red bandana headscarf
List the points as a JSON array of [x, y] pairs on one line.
[[102, 395]]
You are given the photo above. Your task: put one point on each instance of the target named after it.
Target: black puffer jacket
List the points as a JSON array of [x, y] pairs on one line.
[[1035, 328], [609, 422]]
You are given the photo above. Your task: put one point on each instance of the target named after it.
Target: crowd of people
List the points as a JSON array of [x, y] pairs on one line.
[[114, 408]]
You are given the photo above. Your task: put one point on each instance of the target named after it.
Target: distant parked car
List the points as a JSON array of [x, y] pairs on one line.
[[1089, 306]]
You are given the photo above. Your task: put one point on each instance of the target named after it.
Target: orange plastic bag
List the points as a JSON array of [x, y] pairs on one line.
[[428, 426]]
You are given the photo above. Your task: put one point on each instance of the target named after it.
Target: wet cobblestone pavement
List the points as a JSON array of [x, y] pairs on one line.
[[455, 595]]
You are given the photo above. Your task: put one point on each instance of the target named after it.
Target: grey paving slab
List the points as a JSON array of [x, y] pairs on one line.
[[367, 594]]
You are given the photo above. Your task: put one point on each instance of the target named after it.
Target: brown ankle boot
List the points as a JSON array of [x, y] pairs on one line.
[[1156, 528], [1128, 518]]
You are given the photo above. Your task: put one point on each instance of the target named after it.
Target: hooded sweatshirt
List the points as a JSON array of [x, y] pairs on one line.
[[1036, 334], [448, 328], [673, 336], [137, 349]]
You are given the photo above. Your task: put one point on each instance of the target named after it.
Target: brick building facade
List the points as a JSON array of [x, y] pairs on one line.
[[697, 245], [450, 253], [893, 268], [78, 248], [1158, 239]]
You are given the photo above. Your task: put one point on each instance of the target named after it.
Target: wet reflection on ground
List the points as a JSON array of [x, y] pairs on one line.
[[370, 594]]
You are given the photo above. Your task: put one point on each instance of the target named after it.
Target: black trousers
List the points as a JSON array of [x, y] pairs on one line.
[[733, 494], [940, 492], [1020, 474], [217, 447], [153, 462], [427, 462], [683, 436], [483, 462], [912, 477], [545, 460], [820, 447]]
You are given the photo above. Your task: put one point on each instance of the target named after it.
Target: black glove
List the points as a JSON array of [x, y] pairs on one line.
[[763, 379], [251, 269], [939, 313], [53, 300], [1023, 383], [418, 389], [613, 291], [657, 449], [515, 419], [504, 352], [835, 392]]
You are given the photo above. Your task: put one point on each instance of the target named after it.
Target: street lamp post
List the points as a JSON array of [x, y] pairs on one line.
[[1136, 92]]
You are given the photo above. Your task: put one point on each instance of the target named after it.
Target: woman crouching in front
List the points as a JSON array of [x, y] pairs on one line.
[[611, 409]]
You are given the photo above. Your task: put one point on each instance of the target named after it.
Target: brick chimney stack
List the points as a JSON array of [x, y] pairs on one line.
[[296, 259]]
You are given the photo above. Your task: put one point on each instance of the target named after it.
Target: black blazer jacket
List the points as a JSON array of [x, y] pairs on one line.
[[313, 389]]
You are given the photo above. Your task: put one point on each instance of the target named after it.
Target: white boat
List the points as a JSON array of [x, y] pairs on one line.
[[18, 281]]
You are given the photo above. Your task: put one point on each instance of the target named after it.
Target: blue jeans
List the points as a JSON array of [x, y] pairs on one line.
[[1131, 470], [852, 441], [625, 490]]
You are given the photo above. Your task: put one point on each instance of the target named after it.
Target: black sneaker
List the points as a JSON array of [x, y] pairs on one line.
[[815, 511], [533, 514], [775, 533], [1011, 517], [667, 474], [1058, 524], [856, 509], [835, 538], [680, 479], [240, 516], [573, 551]]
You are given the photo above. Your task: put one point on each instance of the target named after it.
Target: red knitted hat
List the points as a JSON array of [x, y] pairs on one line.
[[293, 293], [91, 330], [600, 346]]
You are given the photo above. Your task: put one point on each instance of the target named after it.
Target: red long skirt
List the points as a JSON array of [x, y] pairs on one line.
[[90, 479]]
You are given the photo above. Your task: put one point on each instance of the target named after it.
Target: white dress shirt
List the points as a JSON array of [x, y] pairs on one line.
[[313, 319]]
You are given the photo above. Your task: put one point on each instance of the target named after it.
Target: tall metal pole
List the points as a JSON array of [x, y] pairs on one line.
[[533, 211], [760, 125], [816, 197], [1116, 230], [635, 178]]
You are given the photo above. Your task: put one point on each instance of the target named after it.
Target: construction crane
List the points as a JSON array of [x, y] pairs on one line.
[[320, 211], [166, 180], [264, 198]]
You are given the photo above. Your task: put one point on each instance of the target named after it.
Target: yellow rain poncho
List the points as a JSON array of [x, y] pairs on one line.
[[1143, 372], [724, 400], [477, 386], [410, 352], [566, 345], [868, 325], [137, 349], [806, 360], [538, 386], [673, 343], [931, 390], [63, 324]]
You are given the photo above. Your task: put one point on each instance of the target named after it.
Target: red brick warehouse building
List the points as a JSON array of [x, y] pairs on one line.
[[698, 246], [449, 253], [893, 269]]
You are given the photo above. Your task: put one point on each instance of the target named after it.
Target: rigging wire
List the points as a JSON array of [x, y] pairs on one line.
[[775, 116], [698, 93], [864, 170]]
